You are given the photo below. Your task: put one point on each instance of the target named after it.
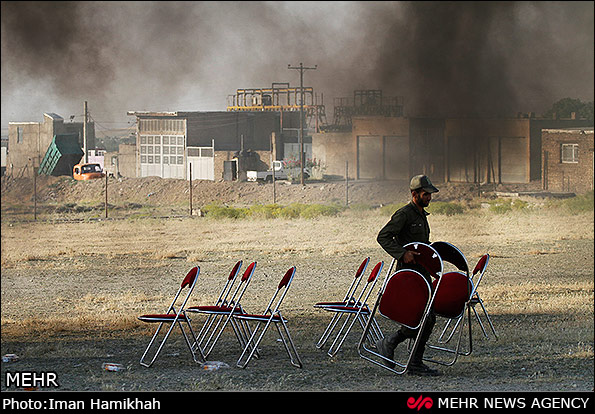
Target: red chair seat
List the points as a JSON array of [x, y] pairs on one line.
[[169, 317], [343, 308], [211, 309], [333, 304], [452, 294], [261, 318]]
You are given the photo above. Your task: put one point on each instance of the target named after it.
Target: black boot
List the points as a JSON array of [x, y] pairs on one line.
[[417, 367], [386, 347]]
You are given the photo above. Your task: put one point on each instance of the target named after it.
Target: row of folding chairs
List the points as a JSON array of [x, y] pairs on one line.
[[227, 311], [407, 298]]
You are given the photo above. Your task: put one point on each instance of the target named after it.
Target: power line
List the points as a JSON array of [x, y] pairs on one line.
[[302, 69]]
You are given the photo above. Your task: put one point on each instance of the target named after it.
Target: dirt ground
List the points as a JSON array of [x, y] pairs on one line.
[[72, 291], [173, 195]]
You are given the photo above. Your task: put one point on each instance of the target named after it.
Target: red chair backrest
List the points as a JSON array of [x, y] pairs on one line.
[[428, 258], [452, 294], [405, 298], [234, 271], [362, 267], [189, 279], [480, 264], [248, 271], [375, 272], [287, 277]]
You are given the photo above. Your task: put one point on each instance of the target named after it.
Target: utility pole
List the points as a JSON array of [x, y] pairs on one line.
[[301, 68], [85, 120]]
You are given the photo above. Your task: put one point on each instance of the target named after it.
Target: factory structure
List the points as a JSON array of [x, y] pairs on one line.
[[367, 137]]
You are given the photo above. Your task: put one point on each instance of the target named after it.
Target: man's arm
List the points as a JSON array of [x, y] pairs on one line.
[[387, 237]]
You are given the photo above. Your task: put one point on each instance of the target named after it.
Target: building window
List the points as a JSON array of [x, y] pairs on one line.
[[569, 153], [19, 135]]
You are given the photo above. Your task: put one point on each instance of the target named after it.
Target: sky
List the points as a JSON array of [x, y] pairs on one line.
[[444, 58]]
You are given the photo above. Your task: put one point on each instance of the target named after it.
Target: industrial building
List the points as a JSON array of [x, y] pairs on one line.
[[500, 150], [370, 138], [29, 141], [260, 124]]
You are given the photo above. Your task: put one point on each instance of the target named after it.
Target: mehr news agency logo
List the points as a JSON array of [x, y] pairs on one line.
[[537, 402]]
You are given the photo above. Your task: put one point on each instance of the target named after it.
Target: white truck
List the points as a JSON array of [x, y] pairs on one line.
[[282, 172]]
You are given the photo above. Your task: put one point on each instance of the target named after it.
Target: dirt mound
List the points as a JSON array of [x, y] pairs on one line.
[[168, 191]]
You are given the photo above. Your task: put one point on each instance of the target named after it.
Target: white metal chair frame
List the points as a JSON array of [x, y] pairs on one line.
[[271, 315], [174, 317], [226, 311], [432, 261], [213, 320], [460, 317], [368, 352], [355, 310], [474, 300], [348, 299]]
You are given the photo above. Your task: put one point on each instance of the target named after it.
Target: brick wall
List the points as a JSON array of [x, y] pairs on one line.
[[576, 177]]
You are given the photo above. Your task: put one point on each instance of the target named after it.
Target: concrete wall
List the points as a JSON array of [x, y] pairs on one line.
[[487, 150], [127, 160], [383, 147], [561, 176], [255, 160], [333, 150], [36, 138]]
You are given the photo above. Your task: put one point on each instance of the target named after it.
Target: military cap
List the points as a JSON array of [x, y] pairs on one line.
[[422, 182]]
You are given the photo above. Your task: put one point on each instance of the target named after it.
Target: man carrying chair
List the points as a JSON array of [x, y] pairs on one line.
[[407, 225]]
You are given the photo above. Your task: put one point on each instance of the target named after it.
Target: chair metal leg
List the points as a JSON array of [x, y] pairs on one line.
[[193, 350], [289, 345], [329, 329], [487, 317], [341, 336], [252, 346]]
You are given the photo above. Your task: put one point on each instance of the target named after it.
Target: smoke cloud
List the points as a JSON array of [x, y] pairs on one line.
[[444, 58]]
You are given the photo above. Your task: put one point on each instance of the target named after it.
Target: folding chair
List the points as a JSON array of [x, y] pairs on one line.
[[475, 299], [348, 299], [271, 315], [214, 320], [407, 299], [173, 317], [451, 254], [355, 309], [450, 302], [225, 310], [480, 269]]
